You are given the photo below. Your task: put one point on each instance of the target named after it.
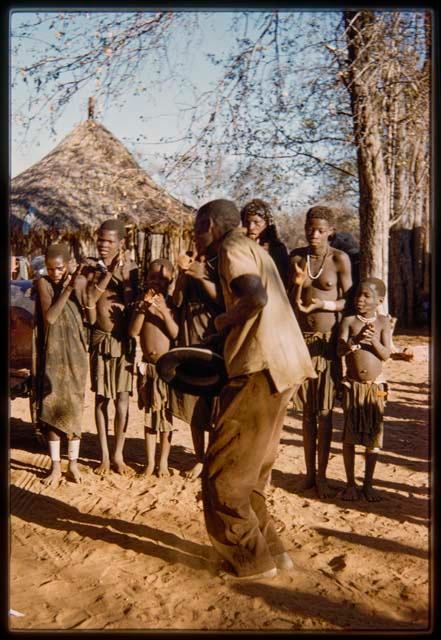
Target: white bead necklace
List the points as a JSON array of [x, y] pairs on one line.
[[319, 272], [367, 320]]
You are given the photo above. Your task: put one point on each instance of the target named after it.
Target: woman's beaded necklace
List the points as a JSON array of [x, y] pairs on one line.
[[308, 265]]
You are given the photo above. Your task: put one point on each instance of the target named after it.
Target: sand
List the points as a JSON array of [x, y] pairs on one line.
[[120, 553]]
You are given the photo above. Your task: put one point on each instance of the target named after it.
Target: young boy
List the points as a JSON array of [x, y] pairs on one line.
[[61, 359], [153, 321], [111, 288], [365, 341]]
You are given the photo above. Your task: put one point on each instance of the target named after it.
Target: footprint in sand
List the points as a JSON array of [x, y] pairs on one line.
[[338, 563]]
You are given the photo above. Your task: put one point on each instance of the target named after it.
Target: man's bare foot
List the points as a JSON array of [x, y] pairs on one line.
[[103, 469], [194, 472], [120, 467], [349, 493], [163, 471], [324, 490], [73, 472], [53, 479], [370, 494], [308, 482]]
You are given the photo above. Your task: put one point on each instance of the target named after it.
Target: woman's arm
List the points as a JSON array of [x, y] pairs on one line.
[[51, 309]]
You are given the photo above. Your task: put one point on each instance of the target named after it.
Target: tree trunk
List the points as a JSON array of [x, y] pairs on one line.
[[374, 188]]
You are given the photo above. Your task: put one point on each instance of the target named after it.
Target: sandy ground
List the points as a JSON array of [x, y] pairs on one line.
[[132, 553]]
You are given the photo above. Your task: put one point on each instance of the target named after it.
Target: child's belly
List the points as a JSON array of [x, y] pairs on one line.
[[363, 366], [153, 345]]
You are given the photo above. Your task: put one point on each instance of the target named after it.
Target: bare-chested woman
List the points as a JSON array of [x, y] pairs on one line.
[[153, 321], [320, 278], [111, 288]]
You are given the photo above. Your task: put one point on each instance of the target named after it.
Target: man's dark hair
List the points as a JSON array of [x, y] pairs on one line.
[[377, 283], [113, 224], [58, 251], [321, 212], [223, 212]]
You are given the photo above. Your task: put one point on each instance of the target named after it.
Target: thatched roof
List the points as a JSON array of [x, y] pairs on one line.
[[89, 177]]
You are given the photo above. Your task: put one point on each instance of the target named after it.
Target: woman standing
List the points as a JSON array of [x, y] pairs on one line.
[[258, 220]]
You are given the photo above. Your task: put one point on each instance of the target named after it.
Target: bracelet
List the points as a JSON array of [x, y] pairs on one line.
[[329, 305], [86, 307], [352, 346], [99, 288]]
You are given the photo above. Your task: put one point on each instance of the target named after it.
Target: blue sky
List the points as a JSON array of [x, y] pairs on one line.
[[148, 119]]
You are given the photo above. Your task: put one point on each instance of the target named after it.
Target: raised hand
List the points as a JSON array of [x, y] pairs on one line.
[[184, 261], [125, 263], [314, 305], [299, 274], [116, 260], [366, 334], [159, 305], [197, 269]]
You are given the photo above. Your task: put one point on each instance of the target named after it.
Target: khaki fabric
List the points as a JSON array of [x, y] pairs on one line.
[[272, 339], [241, 453]]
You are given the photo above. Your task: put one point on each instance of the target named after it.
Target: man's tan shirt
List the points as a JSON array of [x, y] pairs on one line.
[[272, 338]]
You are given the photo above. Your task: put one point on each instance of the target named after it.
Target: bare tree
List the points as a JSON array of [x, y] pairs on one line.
[[295, 96]]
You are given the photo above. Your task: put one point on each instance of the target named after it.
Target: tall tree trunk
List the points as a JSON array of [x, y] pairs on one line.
[[374, 188]]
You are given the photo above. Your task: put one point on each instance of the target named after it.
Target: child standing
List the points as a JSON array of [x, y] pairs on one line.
[[197, 298], [62, 360], [111, 289], [153, 321], [365, 341]]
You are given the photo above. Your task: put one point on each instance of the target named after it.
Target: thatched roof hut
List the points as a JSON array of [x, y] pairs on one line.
[[89, 177]]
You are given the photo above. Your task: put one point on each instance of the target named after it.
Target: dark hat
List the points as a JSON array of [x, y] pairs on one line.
[[194, 370]]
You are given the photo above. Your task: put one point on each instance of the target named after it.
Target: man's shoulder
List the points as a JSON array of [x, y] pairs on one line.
[[236, 241]]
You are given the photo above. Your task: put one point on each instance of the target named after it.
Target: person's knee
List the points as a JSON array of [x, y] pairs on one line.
[[122, 400], [101, 401]]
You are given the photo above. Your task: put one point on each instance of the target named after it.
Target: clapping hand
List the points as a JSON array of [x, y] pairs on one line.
[[197, 269], [314, 305], [121, 260], [299, 274], [159, 305], [366, 334], [185, 260]]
